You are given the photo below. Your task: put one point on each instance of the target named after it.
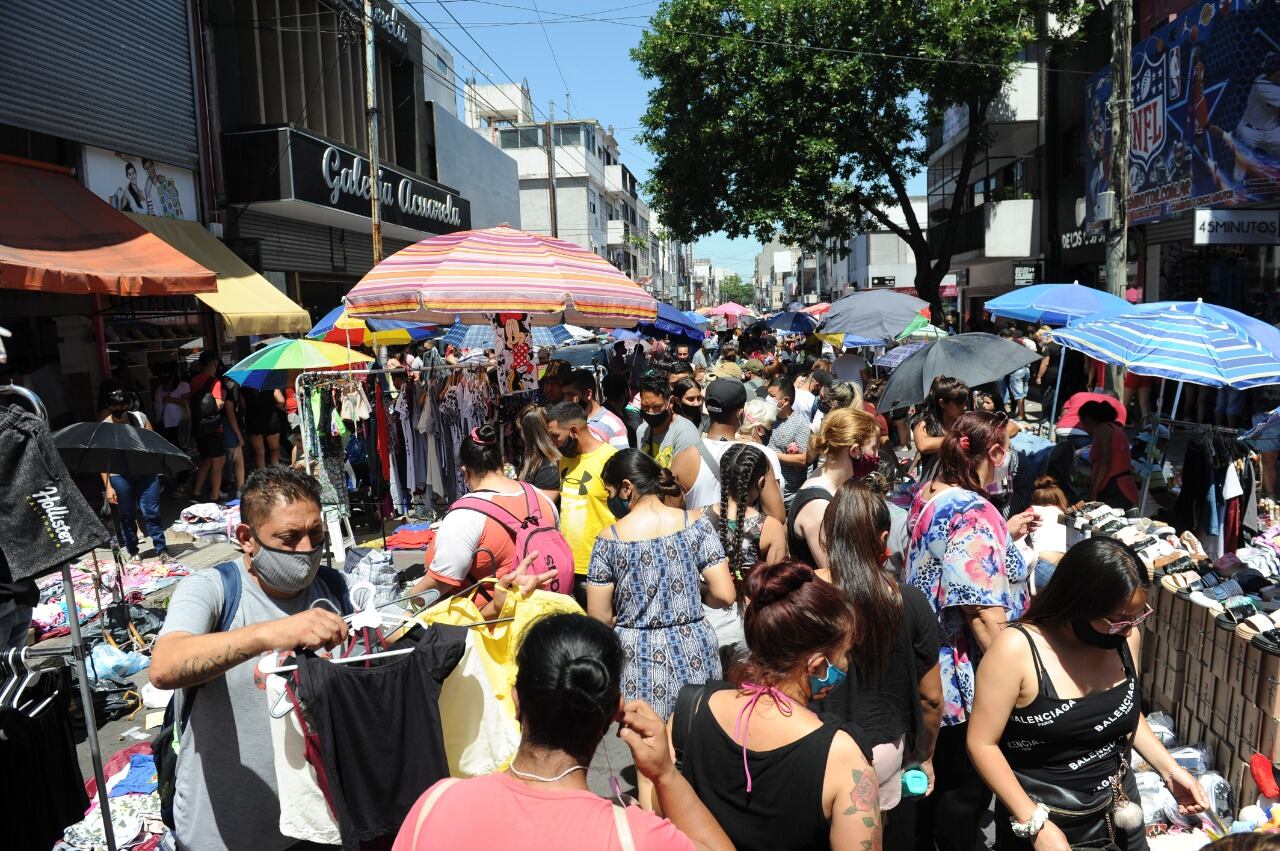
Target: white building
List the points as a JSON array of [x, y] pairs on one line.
[[878, 258], [597, 201], [439, 82], [776, 275]]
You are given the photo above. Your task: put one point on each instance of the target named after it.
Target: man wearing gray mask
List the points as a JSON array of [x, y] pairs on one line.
[[276, 597]]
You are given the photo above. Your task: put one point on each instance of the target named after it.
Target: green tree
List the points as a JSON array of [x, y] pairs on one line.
[[808, 117], [733, 288]]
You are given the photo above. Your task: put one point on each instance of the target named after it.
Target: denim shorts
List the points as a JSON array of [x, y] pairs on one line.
[[1016, 385]]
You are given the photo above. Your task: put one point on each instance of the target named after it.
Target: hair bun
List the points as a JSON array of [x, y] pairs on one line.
[[586, 681], [485, 435], [771, 583]]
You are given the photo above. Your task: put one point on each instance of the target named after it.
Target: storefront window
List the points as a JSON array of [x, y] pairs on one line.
[[1242, 277]]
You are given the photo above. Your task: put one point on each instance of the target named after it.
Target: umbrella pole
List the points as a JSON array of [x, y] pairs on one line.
[[1057, 388], [1155, 435]]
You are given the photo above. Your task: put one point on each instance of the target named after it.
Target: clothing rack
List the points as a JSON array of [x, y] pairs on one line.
[[1158, 419], [75, 651], [340, 531]]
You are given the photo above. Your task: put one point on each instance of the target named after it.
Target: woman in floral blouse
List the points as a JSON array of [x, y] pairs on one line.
[[963, 558]]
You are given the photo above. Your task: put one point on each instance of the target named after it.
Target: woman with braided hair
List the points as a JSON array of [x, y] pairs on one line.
[[749, 536]]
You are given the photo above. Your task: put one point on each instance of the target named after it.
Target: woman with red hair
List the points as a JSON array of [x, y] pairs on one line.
[[963, 558]]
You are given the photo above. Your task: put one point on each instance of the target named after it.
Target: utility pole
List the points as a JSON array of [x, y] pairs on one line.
[[371, 110], [551, 171], [1120, 107]]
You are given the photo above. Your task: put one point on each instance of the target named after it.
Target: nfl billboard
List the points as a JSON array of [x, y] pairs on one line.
[[1205, 125]]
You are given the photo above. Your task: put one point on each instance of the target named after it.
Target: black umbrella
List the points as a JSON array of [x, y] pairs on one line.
[[874, 314], [975, 359], [124, 450]]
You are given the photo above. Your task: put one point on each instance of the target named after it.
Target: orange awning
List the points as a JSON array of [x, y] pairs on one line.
[[56, 236]]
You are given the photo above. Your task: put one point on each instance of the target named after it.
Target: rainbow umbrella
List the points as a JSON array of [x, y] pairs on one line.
[[468, 275], [339, 327], [273, 366]]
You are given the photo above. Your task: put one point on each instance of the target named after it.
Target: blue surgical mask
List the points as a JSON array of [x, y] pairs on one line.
[[822, 686]]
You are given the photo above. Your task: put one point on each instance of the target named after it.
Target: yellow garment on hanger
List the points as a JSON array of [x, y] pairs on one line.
[[477, 714]]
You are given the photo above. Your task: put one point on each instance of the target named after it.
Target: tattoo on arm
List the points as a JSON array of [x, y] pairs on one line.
[[197, 669], [864, 801]]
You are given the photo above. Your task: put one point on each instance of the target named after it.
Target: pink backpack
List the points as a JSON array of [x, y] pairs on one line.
[[533, 532]]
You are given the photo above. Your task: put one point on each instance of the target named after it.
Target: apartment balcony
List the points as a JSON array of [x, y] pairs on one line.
[[995, 229], [620, 235]]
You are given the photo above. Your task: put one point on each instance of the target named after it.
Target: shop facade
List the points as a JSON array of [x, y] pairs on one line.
[[1204, 194], [292, 171]]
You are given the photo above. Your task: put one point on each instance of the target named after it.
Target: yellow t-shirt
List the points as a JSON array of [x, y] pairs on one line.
[[583, 509]]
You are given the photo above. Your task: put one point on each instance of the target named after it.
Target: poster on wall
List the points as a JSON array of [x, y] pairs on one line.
[[135, 184], [513, 352], [1205, 124]]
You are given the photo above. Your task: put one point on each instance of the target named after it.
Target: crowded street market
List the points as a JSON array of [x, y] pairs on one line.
[[380, 469]]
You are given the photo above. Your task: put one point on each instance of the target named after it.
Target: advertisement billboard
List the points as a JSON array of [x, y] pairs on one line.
[[1205, 123]]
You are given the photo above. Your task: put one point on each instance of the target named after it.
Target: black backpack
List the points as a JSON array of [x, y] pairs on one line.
[[207, 417]]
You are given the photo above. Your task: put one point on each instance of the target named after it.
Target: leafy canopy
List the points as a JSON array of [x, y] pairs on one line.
[[732, 288], [807, 117]]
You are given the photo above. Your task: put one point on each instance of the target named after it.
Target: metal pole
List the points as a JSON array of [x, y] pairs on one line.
[[86, 698], [1120, 107], [1155, 436], [553, 219], [371, 110], [1057, 388]]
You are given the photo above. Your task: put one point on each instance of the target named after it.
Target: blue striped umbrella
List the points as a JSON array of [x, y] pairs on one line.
[[792, 322], [1183, 341], [481, 336]]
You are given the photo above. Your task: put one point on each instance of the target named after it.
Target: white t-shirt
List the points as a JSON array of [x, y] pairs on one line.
[[806, 403], [706, 488], [458, 535], [170, 414]]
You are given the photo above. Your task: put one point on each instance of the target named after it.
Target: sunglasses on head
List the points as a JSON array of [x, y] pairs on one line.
[[1117, 627]]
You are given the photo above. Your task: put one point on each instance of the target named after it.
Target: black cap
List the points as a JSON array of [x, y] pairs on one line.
[[117, 397], [823, 377], [725, 394]]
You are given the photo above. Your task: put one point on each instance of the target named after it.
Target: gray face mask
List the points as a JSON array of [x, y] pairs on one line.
[[286, 571]]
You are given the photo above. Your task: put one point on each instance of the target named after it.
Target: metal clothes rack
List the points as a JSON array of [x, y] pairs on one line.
[[1158, 419], [75, 651], [316, 378]]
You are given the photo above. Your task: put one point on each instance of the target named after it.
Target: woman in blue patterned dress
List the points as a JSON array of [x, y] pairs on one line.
[[648, 578], [963, 558]]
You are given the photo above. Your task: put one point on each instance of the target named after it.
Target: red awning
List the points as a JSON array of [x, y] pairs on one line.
[[56, 236]]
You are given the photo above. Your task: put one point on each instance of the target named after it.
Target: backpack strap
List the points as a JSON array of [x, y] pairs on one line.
[[491, 510], [709, 459], [533, 506], [433, 797], [231, 589], [689, 701], [336, 585], [622, 827]]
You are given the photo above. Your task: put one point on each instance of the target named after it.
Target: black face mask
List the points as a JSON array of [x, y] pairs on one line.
[[1086, 633], [656, 421], [618, 507], [569, 448], [693, 413]]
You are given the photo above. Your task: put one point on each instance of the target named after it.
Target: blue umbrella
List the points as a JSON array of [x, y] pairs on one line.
[[696, 318], [671, 321], [624, 334], [481, 336], [792, 322], [1183, 341], [895, 356], [1055, 304]]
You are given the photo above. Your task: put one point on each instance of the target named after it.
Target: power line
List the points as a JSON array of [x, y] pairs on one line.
[[554, 59]]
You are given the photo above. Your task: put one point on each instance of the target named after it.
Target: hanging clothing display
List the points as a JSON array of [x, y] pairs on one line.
[[42, 792], [513, 351], [307, 816], [376, 731], [46, 520]]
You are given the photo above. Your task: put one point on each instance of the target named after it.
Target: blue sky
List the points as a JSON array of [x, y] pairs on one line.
[[579, 52]]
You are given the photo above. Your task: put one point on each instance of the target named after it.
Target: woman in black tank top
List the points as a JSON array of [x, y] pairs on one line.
[[1056, 711]]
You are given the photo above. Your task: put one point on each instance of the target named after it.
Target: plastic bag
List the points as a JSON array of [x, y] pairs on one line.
[[108, 661]]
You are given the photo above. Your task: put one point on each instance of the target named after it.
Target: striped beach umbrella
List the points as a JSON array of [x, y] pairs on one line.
[[469, 275], [273, 366], [1183, 341], [339, 327]]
